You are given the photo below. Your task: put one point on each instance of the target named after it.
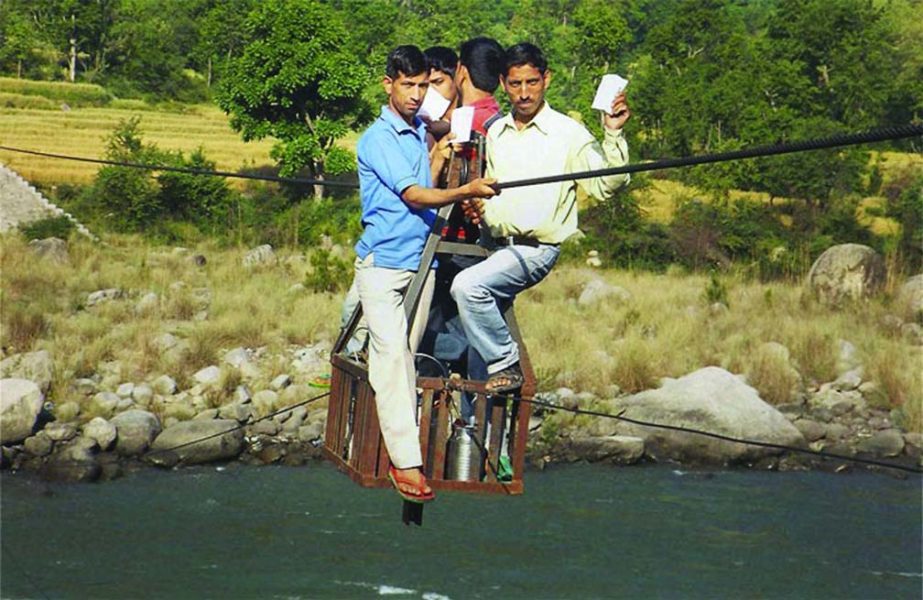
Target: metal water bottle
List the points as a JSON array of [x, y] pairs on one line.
[[464, 455]]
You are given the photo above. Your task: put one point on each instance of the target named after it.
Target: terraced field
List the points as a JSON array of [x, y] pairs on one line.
[[82, 132]]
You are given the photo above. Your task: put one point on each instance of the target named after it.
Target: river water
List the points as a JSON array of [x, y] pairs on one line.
[[580, 531]]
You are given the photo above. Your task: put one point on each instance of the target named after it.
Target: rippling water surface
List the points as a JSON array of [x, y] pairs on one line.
[[578, 532]]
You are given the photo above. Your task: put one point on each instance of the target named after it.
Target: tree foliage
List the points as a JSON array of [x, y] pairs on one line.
[[295, 81]]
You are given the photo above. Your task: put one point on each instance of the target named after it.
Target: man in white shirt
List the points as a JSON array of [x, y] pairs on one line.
[[529, 223]]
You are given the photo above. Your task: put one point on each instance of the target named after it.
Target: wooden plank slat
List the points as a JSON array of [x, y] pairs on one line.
[[426, 421], [368, 452], [497, 412], [442, 437]]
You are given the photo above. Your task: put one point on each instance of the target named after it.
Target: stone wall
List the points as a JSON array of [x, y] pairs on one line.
[[21, 203]]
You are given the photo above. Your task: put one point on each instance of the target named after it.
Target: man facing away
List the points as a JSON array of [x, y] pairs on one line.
[[397, 213], [529, 223]]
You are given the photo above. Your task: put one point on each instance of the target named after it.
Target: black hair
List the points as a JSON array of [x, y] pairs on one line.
[[525, 53], [442, 59], [484, 59], [406, 60]]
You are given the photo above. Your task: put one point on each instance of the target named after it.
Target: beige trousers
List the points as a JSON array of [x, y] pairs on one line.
[[391, 367]]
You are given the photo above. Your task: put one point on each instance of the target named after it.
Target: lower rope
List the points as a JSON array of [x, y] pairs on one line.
[[717, 436]]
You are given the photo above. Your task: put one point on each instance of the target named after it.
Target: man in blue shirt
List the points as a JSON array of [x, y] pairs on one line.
[[398, 211]]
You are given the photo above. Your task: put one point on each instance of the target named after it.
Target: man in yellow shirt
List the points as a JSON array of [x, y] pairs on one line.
[[529, 223]]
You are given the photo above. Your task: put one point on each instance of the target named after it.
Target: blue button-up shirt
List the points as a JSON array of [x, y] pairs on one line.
[[392, 157]]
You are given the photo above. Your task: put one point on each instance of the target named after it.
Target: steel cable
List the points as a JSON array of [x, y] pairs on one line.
[[719, 436]]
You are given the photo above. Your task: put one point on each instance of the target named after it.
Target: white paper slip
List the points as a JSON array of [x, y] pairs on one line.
[[434, 106], [462, 118], [610, 87]]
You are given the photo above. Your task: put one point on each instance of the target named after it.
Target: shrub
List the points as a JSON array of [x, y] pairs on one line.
[[329, 274], [59, 227]]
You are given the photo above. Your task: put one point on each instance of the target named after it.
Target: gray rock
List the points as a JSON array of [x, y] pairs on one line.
[[60, 432], [846, 272], [39, 444], [294, 394], [237, 411], [164, 385], [166, 341], [835, 431], [310, 432], [124, 390], [910, 299], [52, 249], [848, 381], [67, 411], [847, 357], [619, 449], [718, 309], [811, 430], [148, 304], [242, 395], [75, 461], [100, 296], [237, 357], [710, 399], [839, 403], [105, 403], [136, 430], [209, 413], [296, 289], [209, 376], [265, 427], [102, 431], [281, 382], [142, 394], [85, 386], [215, 439], [264, 402], [297, 415], [21, 402], [597, 290], [912, 333], [295, 421], [260, 256], [34, 366], [885, 443]]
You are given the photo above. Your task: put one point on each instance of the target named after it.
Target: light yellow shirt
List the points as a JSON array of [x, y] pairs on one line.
[[551, 144]]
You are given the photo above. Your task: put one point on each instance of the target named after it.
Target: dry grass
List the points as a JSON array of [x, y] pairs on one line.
[[664, 330]]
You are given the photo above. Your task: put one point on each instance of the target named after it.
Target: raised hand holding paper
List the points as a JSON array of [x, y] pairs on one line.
[[610, 87], [434, 106], [462, 118]]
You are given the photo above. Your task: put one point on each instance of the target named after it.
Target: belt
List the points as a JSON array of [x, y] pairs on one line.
[[517, 240]]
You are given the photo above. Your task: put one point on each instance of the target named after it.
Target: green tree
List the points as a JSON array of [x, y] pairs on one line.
[[296, 81]]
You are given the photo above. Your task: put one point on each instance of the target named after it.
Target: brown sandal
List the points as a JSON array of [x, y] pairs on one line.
[[507, 380]]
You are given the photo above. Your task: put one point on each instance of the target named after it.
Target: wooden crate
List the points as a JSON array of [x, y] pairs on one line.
[[354, 444]]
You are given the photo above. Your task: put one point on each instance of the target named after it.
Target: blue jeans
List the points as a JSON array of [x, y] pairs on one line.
[[480, 290]]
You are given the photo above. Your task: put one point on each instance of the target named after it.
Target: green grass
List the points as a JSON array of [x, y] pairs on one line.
[[74, 94]]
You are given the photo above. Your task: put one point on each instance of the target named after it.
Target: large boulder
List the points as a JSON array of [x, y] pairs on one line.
[[910, 299], [260, 256], [198, 441], [74, 461], [52, 249], [34, 366], [21, 403], [136, 429], [712, 400], [597, 290], [846, 272]]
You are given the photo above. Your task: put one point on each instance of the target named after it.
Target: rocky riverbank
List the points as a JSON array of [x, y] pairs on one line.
[[100, 414], [156, 424]]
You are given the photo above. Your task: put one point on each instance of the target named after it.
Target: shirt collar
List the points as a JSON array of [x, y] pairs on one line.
[[540, 120], [486, 102], [399, 124]]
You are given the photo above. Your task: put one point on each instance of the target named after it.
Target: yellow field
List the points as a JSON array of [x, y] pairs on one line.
[[82, 132]]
